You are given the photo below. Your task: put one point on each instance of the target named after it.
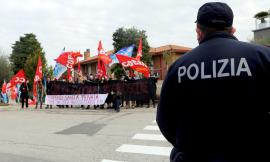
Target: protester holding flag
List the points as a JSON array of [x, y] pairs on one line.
[[4, 95], [24, 93], [40, 93]]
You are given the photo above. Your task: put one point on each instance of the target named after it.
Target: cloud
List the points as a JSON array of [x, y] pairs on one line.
[[80, 24]]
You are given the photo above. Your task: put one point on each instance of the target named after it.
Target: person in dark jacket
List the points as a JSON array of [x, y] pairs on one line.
[[48, 90], [214, 105], [24, 93]]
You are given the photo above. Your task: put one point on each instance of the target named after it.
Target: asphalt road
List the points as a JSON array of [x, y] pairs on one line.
[[76, 135]]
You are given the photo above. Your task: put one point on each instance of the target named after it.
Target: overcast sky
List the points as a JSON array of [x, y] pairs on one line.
[[80, 24]]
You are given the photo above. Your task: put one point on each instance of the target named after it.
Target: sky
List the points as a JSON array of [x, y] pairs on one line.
[[78, 25]]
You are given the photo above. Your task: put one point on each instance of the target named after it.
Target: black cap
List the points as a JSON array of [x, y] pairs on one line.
[[215, 14]]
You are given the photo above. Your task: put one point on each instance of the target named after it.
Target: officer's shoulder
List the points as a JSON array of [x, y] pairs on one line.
[[254, 46]]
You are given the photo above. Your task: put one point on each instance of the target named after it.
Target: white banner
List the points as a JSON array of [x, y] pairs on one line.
[[81, 99]]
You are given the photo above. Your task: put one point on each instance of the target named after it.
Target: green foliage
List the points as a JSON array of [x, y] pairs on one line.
[[124, 37], [26, 48], [5, 72], [25, 56], [118, 71], [261, 14], [49, 72], [265, 41], [168, 57]]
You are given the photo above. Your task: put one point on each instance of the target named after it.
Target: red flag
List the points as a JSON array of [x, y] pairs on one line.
[[69, 77], [4, 87], [68, 59], [102, 54], [75, 55], [131, 73], [139, 53], [79, 67], [38, 75], [101, 70], [133, 63], [18, 78]]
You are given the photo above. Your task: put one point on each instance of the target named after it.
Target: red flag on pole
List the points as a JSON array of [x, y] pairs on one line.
[[38, 75], [18, 78], [79, 67], [66, 59], [69, 77], [101, 70], [133, 63], [102, 54], [139, 53], [4, 87]]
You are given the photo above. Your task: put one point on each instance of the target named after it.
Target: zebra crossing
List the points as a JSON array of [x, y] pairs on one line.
[[150, 133]]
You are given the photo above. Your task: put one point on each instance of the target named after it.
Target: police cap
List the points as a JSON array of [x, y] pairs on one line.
[[215, 14]]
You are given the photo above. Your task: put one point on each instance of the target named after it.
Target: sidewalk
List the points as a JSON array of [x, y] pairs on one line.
[[12, 106]]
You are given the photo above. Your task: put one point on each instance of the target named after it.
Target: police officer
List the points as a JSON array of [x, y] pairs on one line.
[[213, 104]]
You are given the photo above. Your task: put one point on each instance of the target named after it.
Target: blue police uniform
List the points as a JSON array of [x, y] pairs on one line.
[[214, 101]]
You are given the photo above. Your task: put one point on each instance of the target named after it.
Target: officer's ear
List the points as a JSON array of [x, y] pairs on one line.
[[233, 30], [199, 33]]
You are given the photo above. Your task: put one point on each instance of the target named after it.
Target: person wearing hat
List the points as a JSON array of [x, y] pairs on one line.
[[213, 105]]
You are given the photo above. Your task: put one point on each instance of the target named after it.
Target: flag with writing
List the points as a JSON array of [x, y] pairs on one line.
[[134, 64], [38, 75], [18, 78]]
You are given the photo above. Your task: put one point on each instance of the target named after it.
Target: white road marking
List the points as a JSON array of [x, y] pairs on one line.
[[154, 137], [105, 160], [150, 150], [154, 122], [151, 127]]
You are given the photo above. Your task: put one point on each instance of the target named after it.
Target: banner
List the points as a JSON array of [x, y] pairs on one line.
[[141, 89], [81, 99]]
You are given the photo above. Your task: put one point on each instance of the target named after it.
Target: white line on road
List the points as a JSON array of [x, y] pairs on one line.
[[150, 150], [154, 122], [151, 127], [105, 160], [154, 137]]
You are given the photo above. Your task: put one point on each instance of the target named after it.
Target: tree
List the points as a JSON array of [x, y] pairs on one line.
[[125, 37], [49, 72], [261, 15], [25, 55], [263, 41], [5, 72]]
